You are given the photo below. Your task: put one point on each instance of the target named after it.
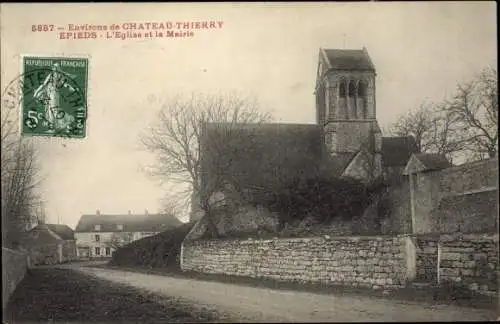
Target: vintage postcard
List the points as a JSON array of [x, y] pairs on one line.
[[249, 162]]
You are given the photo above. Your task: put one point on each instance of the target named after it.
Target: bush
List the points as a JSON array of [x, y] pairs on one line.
[[159, 251], [321, 197]]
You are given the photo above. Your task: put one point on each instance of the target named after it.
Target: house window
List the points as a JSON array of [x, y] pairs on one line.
[[97, 251], [119, 227], [97, 227], [97, 238], [108, 251]]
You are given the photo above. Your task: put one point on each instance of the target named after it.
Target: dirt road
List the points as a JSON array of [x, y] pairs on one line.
[[261, 304]]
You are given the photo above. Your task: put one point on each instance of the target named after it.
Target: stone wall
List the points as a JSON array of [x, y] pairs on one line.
[[461, 198], [470, 213], [399, 218], [376, 262], [427, 258], [69, 251], [470, 260], [46, 254], [426, 197], [14, 266], [468, 177]]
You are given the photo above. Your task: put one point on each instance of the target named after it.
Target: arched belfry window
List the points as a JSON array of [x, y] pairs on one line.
[[342, 90], [342, 110], [351, 100], [362, 99], [352, 89]]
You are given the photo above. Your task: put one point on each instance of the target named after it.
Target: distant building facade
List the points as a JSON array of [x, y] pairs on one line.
[[99, 235]]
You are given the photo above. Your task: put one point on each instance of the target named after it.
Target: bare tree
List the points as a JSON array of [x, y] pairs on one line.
[[118, 240], [191, 156], [433, 128], [475, 109], [41, 213], [467, 125], [19, 178], [416, 123], [19, 184]]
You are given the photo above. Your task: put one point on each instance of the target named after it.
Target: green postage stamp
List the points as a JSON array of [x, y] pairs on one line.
[[54, 96]]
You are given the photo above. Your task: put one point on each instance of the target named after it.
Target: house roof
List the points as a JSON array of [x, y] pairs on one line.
[[349, 59], [259, 155], [130, 222], [40, 235], [433, 161], [396, 151], [63, 231]]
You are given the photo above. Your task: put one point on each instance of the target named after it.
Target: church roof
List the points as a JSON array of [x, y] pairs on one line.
[[349, 59], [260, 155], [396, 151]]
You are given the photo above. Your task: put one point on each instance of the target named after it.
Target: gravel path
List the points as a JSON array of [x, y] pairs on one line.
[[242, 303], [49, 295]]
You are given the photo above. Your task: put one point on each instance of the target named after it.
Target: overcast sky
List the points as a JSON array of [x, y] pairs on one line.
[[420, 50]]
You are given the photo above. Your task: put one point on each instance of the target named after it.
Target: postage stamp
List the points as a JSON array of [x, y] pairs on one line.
[[54, 96]]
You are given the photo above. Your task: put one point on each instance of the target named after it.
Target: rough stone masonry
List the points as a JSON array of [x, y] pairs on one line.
[[376, 262], [470, 260]]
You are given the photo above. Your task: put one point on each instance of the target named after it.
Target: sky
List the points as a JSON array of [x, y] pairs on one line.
[[270, 51]]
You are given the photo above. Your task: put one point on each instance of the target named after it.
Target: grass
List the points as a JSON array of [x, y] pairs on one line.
[[430, 295], [63, 295]]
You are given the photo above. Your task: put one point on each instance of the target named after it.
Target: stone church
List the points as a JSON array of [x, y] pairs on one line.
[[346, 137]]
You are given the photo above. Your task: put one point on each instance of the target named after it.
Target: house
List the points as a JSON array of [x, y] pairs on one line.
[[346, 138], [99, 235], [50, 244]]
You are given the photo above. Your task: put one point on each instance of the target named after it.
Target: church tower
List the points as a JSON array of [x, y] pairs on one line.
[[345, 103]]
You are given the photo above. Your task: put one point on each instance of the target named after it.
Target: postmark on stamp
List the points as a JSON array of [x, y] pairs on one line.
[[54, 96]]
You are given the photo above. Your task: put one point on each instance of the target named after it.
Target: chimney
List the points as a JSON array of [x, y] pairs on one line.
[[98, 212], [146, 212]]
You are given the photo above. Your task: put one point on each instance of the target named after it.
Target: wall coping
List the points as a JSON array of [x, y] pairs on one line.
[[438, 236], [469, 165], [307, 239], [467, 192], [443, 235], [14, 251], [484, 236]]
